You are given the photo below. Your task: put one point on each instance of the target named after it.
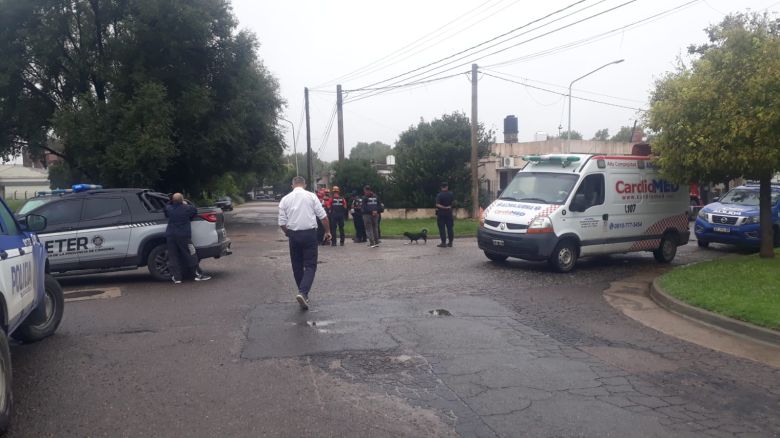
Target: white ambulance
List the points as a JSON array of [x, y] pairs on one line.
[[562, 207]]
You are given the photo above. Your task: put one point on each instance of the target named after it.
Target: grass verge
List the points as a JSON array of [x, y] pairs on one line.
[[743, 287], [397, 227]]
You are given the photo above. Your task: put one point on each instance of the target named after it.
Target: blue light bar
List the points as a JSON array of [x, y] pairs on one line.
[[84, 187]]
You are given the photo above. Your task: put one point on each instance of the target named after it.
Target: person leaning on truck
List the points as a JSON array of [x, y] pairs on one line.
[[178, 238]]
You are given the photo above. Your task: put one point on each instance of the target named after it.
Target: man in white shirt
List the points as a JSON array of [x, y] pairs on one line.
[[298, 213]]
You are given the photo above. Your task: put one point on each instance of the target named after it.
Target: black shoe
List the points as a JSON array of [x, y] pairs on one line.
[[334, 244], [442, 245], [341, 243], [302, 301], [202, 277], [449, 245]]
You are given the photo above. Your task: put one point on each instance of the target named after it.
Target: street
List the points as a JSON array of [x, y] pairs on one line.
[[402, 340]]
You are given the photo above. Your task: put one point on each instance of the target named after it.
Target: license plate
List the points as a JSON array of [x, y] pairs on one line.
[[721, 229], [498, 243]]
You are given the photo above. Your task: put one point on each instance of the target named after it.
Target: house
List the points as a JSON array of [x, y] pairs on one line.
[[20, 182]]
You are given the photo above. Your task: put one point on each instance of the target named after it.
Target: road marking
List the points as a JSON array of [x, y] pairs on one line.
[[92, 294]]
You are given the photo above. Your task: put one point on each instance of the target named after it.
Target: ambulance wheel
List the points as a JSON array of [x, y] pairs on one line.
[[667, 250], [564, 257], [6, 396], [157, 263], [703, 243], [496, 257], [53, 303]]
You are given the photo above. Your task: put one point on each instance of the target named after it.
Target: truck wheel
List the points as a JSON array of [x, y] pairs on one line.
[[53, 306], [564, 257], [6, 396], [496, 257], [667, 250], [158, 263], [703, 243]]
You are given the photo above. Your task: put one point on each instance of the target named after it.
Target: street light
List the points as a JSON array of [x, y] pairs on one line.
[[295, 152], [568, 132]]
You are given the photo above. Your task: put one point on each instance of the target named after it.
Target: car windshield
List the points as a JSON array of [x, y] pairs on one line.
[[746, 197], [32, 204], [540, 187]]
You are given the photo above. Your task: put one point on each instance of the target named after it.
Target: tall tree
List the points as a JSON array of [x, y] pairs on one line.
[[432, 152], [601, 135], [718, 118], [351, 175], [376, 152], [164, 93], [625, 133]]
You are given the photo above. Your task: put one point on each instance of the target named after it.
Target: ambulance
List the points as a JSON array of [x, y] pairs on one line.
[[561, 207]]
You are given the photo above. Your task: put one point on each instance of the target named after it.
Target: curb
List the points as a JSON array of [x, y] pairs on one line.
[[668, 302]]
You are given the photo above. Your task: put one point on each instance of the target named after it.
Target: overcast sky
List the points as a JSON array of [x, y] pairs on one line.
[[357, 43]]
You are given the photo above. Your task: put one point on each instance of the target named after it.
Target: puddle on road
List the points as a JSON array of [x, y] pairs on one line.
[[318, 325], [440, 312]]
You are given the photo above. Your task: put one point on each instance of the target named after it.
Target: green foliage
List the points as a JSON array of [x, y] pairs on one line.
[[601, 135], [376, 152], [161, 93], [718, 118], [575, 135], [624, 134], [432, 152], [397, 227], [281, 178], [351, 175]]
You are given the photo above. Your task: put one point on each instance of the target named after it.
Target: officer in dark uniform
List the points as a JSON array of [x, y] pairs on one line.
[[182, 257], [336, 206], [357, 219], [444, 218], [370, 209]]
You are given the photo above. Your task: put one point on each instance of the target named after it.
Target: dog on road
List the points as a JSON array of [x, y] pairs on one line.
[[415, 237]]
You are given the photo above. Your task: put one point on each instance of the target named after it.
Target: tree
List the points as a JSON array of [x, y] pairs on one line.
[[718, 117], [376, 152], [161, 93], [601, 135], [282, 177], [432, 152], [351, 175], [625, 133], [575, 135]]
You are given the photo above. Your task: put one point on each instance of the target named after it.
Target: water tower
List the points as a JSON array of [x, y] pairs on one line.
[[510, 129]]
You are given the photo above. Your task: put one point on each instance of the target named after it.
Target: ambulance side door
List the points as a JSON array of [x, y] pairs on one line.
[[60, 237], [586, 213], [626, 204]]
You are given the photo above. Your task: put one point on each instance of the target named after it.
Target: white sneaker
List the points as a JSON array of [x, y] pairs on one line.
[[202, 277], [302, 302], [175, 281]]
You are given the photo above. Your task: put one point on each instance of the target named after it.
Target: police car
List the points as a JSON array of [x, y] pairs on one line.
[[31, 301], [92, 229], [734, 218]]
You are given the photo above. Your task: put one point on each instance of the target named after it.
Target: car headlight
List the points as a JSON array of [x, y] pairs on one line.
[[541, 225], [752, 220], [702, 214]]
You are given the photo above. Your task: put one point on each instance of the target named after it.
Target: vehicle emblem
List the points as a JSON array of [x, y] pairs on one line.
[[97, 241], [502, 226], [724, 219]]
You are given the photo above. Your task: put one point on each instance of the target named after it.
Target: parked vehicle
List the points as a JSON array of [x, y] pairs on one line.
[[734, 218], [225, 203], [562, 207], [32, 300], [98, 230]]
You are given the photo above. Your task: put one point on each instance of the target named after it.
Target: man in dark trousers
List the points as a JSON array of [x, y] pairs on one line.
[[357, 219], [337, 209], [370, 209], [444, 217], [178, 238], [298, 214]]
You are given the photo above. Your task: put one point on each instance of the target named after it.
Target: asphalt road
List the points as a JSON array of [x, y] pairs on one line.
[[402, 340]]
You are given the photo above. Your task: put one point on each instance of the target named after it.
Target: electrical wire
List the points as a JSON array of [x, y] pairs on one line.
[[390, 89], [327, 131], [565, 94]]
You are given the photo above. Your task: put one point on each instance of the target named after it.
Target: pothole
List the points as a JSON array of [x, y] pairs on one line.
[[440, 312]]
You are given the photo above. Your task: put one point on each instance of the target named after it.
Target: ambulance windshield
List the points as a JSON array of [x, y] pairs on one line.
[[540, 188]]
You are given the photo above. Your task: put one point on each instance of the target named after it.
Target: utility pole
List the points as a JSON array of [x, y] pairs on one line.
[[474, 125], [340, 113], [309, 180]]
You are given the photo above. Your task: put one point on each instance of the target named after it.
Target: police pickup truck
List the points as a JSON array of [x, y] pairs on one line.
[[31, 300], [93, 229]]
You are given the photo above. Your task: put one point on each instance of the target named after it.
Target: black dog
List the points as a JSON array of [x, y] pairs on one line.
[[414, 237]]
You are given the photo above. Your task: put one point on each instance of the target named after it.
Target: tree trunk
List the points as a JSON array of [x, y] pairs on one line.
[[765, 202]]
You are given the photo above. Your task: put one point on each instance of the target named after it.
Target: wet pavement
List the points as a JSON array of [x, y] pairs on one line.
[[402, 340]]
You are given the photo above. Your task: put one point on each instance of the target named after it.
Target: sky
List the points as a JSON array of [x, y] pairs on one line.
[[546, 45]]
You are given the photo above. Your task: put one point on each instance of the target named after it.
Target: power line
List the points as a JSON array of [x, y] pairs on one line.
[[564, 94], [392, 87], [388, 89], [327, 130]]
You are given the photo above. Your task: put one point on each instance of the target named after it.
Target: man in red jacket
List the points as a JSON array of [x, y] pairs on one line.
[[337, 209]]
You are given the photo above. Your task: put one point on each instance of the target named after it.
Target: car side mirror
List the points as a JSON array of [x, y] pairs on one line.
[[579, 203], [33, 222], [716, 199]]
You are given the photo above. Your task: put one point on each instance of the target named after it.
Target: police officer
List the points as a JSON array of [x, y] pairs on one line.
[[357, 219], [444, 218], [178, 235], [370, 210], [336, 206]]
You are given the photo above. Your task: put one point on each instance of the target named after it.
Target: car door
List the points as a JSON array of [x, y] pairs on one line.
[[587, 214], [17, 277], [104, 231], [60, 237]]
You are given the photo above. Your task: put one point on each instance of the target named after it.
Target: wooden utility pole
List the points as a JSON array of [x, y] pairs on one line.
[[340, 113], [309, 179], [474, 126]]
